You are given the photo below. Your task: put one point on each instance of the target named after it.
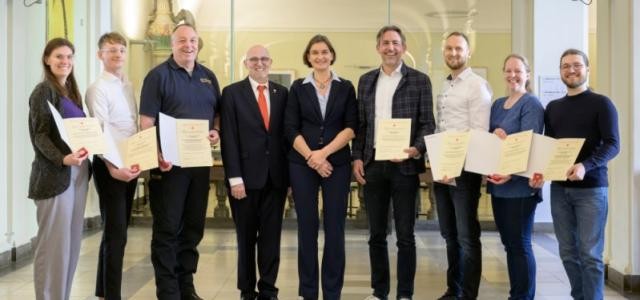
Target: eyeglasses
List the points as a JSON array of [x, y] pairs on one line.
[[115, 50], [576, 66], [255, 60]]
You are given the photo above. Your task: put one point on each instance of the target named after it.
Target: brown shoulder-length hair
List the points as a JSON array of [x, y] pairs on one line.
[[318, 38], [70, 88]]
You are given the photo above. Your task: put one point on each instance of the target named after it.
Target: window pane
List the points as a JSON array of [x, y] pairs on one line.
[[486, 23]]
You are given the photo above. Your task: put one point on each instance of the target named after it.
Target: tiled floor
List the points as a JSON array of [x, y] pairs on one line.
[[217, 268]]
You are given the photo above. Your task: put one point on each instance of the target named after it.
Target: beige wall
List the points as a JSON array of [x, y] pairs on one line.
[[593, 61], [355, 51]]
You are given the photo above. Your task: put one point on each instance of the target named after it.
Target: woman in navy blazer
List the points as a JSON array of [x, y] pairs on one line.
[[320, 120]]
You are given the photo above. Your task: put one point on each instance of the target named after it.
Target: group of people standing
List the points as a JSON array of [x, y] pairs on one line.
[[274, 138]]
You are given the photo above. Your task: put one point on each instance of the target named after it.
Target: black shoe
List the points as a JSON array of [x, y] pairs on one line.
[[448, 296], [267, 298], [191, 296], [251, 295]]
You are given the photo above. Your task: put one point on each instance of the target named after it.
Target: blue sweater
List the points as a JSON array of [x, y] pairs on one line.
[[526, 114], [593, 117]]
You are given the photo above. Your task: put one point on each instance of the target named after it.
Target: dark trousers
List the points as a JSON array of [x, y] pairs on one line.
[[335, 189], [258, 220], [115, 199], [386, 185], [458, 217], [179, 204], [514, 219]]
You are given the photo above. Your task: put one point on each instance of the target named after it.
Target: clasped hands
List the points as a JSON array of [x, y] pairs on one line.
[[317, 160]]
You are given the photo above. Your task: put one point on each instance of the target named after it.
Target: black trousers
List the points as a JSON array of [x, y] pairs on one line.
[[115, 199], [179, 205], [387, 186], [258, 220], [305, 183], [457, 208]]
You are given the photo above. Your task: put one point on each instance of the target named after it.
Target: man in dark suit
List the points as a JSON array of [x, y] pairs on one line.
[[392, 91], [255, 164]]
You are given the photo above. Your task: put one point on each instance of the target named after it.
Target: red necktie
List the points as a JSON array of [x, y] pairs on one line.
[[262, 103]]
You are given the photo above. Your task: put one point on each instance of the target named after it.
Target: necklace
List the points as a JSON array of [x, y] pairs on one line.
[[321, 84]]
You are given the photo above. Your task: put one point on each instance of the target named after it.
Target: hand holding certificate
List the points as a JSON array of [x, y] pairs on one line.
[[392, 138], [492, 155], [552, 157], [185, 142], [80, 133], [447, 152], [139, 152]]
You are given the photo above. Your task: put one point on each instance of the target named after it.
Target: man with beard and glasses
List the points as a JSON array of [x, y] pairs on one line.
[[579, 204], [463, 104]]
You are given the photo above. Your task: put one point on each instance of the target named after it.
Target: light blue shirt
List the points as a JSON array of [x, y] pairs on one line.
[[322, 99]]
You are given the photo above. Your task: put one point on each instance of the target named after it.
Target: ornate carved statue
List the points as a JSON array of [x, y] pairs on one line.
[[162, 21]]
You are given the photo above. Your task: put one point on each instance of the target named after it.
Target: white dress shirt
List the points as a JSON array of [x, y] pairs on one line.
[[464, 103], [254, 87], [385, 88], [111, 101]]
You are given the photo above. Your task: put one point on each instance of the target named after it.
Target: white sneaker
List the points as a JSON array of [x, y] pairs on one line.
[[404, 298], [372, 297]]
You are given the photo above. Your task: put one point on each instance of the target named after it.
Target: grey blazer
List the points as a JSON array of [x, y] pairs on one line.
[[49, 177]]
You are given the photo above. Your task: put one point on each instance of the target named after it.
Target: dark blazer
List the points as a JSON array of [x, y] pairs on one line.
[[248, 149], [411, 100], [303, 117], [49, 177]]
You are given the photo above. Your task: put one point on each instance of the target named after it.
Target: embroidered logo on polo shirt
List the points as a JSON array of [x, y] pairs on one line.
[[206, 80]]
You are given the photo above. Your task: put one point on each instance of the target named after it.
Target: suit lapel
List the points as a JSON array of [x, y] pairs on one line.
[[396, 101], [276, 103], [371, 90], [252, 102], [336, 88], [403, 80], [311, 93]]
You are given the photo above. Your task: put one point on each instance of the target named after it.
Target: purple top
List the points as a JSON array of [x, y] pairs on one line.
[[70, 109]]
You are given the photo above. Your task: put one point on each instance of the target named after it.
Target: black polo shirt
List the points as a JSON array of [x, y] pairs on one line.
[[169, 89]]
